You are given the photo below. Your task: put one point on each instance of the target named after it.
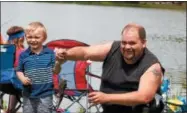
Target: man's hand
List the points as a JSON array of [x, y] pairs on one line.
[[60, 54], [97, 97]]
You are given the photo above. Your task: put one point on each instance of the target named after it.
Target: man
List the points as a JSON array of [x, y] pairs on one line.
[[131, 74]]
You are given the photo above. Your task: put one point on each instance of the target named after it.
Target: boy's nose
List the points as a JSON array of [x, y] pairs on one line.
[[33, 40]]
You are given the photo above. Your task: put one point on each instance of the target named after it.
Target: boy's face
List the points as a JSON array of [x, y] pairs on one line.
[[35, 39]]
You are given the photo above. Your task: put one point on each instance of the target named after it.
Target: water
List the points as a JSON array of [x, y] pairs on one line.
[[166, 30]]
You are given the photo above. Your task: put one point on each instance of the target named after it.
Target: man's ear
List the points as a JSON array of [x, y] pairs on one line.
[[144, 43]]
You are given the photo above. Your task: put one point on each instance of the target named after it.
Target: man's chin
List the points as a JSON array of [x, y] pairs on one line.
[[129, 60]]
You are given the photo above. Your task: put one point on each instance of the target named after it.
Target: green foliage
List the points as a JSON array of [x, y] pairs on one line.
[[184, 84], [81, 110], [161, 5], [5, 105]]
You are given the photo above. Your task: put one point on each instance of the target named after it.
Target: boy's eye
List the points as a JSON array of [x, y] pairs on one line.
[[37, 37]]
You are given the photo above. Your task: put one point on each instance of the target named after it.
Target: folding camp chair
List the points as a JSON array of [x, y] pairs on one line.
[[74, 74], [176, 105], [8, 78]]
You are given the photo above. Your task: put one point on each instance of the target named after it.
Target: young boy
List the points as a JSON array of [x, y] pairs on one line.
[[35, 70]]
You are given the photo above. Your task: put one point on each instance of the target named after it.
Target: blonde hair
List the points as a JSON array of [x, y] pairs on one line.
[[36, 25]]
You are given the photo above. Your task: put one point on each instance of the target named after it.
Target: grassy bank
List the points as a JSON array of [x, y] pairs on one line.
[[130, 4]]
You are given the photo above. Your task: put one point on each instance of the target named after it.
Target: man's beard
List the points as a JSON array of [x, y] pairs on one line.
[[133, 57]]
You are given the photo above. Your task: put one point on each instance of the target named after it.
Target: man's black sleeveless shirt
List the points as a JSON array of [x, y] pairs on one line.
[[120, 77]]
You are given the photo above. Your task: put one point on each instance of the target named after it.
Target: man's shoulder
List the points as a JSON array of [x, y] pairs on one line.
[[116, 42], [150, 59], [115, 48], [149, 52], [115, 45]]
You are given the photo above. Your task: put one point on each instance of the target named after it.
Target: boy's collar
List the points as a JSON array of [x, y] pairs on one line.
[[44, 50]]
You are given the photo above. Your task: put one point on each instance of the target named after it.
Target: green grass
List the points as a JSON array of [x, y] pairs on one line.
[[127, 4]]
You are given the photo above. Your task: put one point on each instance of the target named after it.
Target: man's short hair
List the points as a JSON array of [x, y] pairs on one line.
[[141, 30]]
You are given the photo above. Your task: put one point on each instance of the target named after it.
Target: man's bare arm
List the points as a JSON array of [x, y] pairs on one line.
[[93, 52]]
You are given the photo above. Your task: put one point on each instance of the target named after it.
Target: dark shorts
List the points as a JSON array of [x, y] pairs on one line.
[[116, 109], [128, 109], [9, 89]]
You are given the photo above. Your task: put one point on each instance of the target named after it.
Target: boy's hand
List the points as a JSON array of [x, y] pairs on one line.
[[26, 81]]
